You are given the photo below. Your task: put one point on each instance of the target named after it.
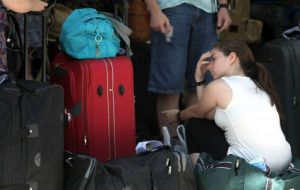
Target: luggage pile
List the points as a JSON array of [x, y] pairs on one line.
[[98, 86], [77, 131]]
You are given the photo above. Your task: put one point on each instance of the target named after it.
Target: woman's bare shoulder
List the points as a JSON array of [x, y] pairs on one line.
[[218, 84], [221, 91]]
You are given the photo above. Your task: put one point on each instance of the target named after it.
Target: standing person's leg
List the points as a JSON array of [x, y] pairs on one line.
[[168, 61], [166, 102], [203, 37]]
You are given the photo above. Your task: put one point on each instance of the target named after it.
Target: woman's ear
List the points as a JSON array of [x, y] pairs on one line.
[[232, 57]]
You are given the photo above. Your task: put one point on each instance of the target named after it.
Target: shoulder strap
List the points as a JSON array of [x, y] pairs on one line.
[[121, 29]]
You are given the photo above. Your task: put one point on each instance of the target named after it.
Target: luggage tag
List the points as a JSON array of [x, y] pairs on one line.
[[148, 146]]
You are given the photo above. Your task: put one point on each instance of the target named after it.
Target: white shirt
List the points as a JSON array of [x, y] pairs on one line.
[[252, 125]]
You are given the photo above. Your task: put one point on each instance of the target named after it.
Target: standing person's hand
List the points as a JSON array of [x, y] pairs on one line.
[[160, 22], [224, 20], [201, 67], [23, 6]]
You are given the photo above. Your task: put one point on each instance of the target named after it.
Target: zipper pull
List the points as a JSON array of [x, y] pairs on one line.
[[167, 162], [237, 165], [98, 39], [69, 161], [68, 115], [97, 50], [294, 101], [170, 170], [85, 140]]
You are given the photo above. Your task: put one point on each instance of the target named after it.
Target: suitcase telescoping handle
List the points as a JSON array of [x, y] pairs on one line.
[[44, 16], [125, 7]]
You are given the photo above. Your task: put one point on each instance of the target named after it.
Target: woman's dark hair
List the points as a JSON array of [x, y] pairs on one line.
[[254, 70]]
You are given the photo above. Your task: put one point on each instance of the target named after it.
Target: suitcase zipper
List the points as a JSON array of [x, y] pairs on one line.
[[108, 89], [111, 97], [85, 82], [85, 140]]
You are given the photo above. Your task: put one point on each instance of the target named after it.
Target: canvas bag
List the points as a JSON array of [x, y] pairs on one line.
[[139, 20], [234, 173], [60, 13], [89, 34]]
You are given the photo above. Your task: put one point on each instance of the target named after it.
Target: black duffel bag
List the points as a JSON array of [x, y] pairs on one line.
[[163, 169]]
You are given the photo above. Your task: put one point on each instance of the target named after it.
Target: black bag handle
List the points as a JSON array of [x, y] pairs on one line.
[[14, 138], [16, 187], [292, 33]]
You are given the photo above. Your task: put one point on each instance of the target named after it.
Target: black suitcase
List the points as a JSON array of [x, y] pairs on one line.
[[31, 136], [31, 131], [282, 59]]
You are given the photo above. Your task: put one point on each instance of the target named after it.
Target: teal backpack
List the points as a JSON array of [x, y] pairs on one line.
[[234, 173], [89, 34]]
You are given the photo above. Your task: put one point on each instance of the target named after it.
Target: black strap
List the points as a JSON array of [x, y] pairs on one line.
[[76, 109], [15, 34], [223, 165], [13, 138], [3, 73], [16, 28], [16, 187]]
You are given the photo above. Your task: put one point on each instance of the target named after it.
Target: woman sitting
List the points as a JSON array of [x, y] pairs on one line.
[[243, 103]]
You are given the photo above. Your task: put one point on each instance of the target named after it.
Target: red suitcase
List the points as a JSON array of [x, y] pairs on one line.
[[99, 97]]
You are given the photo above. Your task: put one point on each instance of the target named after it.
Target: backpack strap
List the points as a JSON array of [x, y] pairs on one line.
[[123, 31]]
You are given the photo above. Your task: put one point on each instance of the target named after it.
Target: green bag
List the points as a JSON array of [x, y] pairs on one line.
[[234, 173]]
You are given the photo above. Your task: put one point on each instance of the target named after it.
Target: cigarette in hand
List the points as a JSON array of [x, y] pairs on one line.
[[169, 35]]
